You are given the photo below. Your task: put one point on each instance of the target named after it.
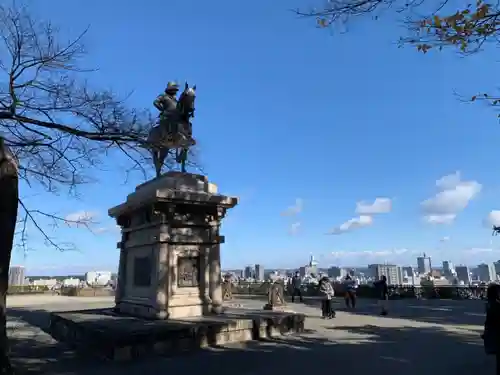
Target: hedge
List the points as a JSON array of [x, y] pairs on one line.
[[27, 289]]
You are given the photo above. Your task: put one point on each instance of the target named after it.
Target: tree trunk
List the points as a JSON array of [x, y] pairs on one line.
[[9, 199]]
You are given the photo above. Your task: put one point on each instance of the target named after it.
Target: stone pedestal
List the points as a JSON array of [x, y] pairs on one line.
[[170, 248]]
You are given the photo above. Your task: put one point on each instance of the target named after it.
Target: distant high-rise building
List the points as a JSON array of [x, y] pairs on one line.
[[424, 265], [408, 271], [312, 261], [486, 272], [338, 272], [391, 271], [334, 272], [448, 269], [259, 272], [16, 275], [312, 266], [497, 266], [238, 273], [303, 271], [407, 275], [400, 276], [248, 272], [463, 274]]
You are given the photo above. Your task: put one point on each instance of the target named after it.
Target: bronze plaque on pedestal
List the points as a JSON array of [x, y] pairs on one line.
[[142, 271], [188, 271]]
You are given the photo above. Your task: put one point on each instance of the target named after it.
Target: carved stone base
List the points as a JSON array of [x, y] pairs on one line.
[[170, 248], [113, 337]]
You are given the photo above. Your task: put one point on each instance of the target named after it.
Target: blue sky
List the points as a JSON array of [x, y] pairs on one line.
[[284, 112]]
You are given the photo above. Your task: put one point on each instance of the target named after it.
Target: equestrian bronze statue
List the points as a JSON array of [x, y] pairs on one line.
[[174, 129]]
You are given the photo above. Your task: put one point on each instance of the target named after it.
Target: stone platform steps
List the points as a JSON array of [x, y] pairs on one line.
[[106, 335]]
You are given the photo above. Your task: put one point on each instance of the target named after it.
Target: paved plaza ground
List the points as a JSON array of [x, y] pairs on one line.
[[417, 337]]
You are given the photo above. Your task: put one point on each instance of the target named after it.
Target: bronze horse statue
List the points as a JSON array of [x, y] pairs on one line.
[[174, 132]]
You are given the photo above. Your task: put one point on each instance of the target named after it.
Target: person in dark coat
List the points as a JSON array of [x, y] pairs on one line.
[[296, 287], [491, 335], [383, 292], [350, 291], [327, 293]]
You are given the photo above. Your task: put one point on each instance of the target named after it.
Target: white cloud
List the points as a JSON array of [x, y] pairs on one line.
[[391, 253], [480, 250], [354, 223], [112, 229], [294, 228], [379, 206], [81, 218], [295, 209], [365, 210], [449, 182], [453, 197], [486, 253], [493, 218], [439, 219], [444, 239]]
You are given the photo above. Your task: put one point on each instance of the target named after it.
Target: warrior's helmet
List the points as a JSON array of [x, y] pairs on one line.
[[172, 88]]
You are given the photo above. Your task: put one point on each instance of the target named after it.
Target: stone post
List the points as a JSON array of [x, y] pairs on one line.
[[275, 297]]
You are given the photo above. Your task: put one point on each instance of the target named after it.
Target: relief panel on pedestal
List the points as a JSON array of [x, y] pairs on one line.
[[188, 263], [188, 271]]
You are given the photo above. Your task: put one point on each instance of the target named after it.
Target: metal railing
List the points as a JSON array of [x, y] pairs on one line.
[[368, 291]]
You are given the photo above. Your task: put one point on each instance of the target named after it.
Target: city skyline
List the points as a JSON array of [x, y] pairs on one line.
[[250, 268]]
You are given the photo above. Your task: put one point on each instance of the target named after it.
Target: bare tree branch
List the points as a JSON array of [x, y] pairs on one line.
[[431, 25], [32, 217], [55, 128]]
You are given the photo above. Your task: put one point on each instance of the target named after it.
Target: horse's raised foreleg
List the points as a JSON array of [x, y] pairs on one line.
[[156, 162], [180, 158], [183, 158], [162, 154]]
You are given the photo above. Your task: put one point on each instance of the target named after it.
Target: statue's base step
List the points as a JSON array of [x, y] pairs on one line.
[[120, 338], [277, 308]]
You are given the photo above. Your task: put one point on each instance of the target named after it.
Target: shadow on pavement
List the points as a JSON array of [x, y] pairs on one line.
[[454, 312], [422, 349], [428, 311], [358, 350]]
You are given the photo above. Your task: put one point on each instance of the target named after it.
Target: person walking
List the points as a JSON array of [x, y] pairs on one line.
[[383, 292], [491, 333], [350, 286], [296, 287], [327, 293]]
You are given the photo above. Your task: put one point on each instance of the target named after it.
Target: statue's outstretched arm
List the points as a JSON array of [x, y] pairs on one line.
[[158, 103]]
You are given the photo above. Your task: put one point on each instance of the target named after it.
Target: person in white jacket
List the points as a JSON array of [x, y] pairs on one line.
[[327, 292]]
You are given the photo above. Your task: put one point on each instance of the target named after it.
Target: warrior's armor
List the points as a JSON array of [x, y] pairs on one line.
[[166, 103], [174, 130]]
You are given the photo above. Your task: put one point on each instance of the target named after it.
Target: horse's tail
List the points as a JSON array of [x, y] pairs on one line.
[[154, 137]]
